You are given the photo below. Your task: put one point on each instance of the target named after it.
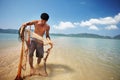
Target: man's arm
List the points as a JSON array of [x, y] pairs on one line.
[[47, 32], [29, 23], [48, 38], [22, 28]]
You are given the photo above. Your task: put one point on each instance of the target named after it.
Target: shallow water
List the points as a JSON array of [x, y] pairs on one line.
[[71, 59], [91, 59]]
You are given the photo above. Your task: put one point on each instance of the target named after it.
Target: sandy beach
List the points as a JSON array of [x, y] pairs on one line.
[[65, 62]]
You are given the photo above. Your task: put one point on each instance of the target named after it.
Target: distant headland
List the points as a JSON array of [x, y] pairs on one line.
[[83, 35]]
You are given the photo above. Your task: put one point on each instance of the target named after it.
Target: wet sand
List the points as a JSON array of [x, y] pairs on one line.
[[65, 62]]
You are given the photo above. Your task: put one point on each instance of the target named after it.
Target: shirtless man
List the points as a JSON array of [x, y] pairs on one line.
[[41, 28]]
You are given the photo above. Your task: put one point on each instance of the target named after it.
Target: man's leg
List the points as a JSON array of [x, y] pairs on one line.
[[31, 49], [32, 71], [39, 52], [38, 60], [31, 62]]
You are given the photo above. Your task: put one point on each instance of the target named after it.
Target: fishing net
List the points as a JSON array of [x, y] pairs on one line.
[[26, 35]]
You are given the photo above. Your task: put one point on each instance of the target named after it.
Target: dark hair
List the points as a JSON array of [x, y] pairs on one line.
[[44, 16]]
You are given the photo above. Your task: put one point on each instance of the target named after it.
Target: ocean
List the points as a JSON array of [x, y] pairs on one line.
[[93, 58], [87, 58]]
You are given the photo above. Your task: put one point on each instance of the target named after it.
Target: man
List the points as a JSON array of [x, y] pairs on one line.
[[41, 28]]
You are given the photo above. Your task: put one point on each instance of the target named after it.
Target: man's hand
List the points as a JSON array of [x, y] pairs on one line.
[[50, 42], [22, 37], [21, 32]]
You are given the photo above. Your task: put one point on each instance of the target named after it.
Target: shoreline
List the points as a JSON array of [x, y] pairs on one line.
[[65, 62]]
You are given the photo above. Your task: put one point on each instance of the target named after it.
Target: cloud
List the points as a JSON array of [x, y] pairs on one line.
[[64, 25], [117, 18], [110, 22], [87, 23], [93, 27], [111, 27]]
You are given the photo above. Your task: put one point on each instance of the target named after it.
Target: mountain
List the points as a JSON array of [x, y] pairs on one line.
[[57, 34], [13, 31], [83, 35], [117, 37], [88, 35]]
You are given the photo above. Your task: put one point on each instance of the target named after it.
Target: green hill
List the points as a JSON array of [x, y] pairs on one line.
[[88, 35], [83, 35], [117, 37], [12, 31]]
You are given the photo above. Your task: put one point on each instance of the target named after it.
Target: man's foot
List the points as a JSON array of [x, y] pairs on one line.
[[32, 71], [44, 74], [37, 66]]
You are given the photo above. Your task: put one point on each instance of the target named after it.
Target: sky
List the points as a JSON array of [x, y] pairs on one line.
[[66, 16]]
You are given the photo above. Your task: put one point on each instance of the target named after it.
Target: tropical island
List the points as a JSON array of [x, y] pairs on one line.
[[83, 35]]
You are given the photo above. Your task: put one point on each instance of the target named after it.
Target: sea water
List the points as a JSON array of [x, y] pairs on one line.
[[91, 58], [8, 40], [88, 58]]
